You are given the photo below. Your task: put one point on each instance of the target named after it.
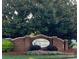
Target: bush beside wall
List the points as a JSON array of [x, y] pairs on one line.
[[7, 45]]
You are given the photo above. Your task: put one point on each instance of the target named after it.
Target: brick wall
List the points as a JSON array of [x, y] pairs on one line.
[[59, 43], [22, 44]]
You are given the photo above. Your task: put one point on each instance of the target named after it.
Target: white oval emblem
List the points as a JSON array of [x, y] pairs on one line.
[[41, 42]]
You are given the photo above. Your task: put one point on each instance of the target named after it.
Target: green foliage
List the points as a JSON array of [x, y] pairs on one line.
[[7, 45], [49, 17], [40, 52], [51, 48], [35, 47], [39, 56], [73, 44]]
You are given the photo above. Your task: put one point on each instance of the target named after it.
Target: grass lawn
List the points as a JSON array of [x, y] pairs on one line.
[[38, 57]]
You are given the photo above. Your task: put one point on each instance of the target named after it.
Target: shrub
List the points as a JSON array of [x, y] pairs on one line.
[[40, 52], [73, 44], [35, 47], [51, 48], [7, 45]]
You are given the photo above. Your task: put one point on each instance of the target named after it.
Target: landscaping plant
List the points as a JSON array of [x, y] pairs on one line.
[[7, 45]]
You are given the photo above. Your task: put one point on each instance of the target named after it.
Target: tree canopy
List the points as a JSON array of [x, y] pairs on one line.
[[48, 17]]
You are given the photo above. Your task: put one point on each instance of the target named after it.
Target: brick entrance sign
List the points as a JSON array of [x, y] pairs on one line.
[[23, 44]]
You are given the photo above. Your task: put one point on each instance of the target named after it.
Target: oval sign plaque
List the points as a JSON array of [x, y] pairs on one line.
[[41, 42]]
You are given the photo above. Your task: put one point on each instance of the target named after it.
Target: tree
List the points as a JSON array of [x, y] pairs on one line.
[[48, 17]]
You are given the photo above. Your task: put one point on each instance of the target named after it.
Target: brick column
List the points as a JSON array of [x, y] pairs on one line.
[[65, 45]]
